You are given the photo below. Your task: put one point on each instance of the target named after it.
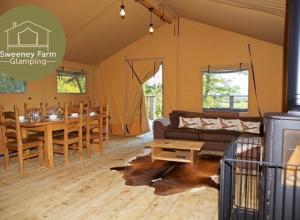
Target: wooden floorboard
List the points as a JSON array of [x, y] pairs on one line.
[[88, 189]]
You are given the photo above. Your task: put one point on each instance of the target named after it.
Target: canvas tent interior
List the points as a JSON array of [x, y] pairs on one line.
[[204, 32]]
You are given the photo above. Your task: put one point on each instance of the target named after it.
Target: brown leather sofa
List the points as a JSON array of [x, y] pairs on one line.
[[216, 140]]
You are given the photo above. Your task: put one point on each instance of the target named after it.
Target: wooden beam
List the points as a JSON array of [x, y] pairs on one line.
[[155, 11]]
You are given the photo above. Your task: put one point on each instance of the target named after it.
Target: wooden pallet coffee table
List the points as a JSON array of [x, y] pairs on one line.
[[175, 150]]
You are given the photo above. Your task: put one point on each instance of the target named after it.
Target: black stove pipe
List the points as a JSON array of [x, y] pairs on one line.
[[293, 56]]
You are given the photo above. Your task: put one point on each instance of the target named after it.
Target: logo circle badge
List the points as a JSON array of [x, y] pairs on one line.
[[32, 43]]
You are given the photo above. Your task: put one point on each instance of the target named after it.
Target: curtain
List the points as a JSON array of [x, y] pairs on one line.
[[140, 71]]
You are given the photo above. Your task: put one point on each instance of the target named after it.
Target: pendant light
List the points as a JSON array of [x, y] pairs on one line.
[[151, 29], [122, 11]]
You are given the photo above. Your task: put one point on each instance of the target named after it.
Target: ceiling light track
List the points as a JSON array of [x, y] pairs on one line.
[[156, 11]]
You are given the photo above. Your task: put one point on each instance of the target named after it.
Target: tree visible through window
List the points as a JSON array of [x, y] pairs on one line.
[[225, 90], [10, 85], [71, 82], [153, 90]]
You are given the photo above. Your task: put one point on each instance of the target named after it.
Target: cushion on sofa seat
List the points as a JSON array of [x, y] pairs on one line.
[[220, 131], [174, 116], [182, 133], [217, 137], [215, 146]]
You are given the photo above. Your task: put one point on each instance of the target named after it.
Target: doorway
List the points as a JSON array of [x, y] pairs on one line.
[[153, 90]]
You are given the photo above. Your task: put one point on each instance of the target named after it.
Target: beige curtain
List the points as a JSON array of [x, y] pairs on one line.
[[139, 71]]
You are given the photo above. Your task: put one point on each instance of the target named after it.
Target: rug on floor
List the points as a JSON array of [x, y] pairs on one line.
[[168, 178]]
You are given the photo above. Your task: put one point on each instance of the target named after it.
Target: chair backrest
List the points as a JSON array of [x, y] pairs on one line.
[[10, 124], [84, 105], [56, 110], [86, 112], [105, 114], [73, 124], [98, 116], [30, 112], [90, 105]]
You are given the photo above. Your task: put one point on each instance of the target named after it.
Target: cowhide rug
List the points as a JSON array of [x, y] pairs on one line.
[[171, 177]]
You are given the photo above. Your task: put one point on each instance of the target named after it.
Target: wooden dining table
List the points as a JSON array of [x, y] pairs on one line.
[[48, 127]]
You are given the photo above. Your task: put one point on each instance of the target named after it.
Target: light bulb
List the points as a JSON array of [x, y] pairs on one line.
[[151, 29], [122, 12]]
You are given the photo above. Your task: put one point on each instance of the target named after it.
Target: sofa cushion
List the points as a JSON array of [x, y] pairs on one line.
[[220, 131], [250, 127], [211, 123], [255, 119], [189, 122], [231, 124], [194, 114], [215, 146], [218, 135], [182, 133], [174, 116], [225, 115]]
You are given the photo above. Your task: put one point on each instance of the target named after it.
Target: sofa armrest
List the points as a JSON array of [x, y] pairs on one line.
[[159, 127]]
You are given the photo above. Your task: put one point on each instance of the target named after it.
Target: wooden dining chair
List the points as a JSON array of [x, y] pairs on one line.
[[105, 122], [86, 131], [13, 141], [77, 105], [29, 112], [72, 133], [56, 110], [92, 130], [90, 103]]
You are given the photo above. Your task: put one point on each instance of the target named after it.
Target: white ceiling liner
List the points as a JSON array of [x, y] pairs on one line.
[[274, 7]]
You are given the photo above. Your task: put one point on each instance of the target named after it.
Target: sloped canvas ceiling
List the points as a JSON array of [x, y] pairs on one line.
[[262, 19], [274, 7], [95, 31]]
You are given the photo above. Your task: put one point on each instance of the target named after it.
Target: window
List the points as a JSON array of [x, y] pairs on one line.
[[225, 90], [10, 85], [71, 82]]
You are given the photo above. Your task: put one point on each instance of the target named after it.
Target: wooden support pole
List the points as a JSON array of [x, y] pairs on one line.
[[155, 11]]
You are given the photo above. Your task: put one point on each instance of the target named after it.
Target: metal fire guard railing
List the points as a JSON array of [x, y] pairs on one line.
[[254, 189]]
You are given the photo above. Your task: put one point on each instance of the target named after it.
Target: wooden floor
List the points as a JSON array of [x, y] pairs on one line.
[[90, 190]]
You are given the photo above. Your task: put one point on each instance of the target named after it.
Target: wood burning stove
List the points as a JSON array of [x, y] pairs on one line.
[[282, 133], [269, 188], [282, 147]]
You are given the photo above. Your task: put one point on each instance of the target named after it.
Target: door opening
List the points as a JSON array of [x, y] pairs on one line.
[[153, 90]]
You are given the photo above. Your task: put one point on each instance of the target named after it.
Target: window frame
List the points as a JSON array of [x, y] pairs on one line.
[[21, 93], [226, 71], [71, 72]]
